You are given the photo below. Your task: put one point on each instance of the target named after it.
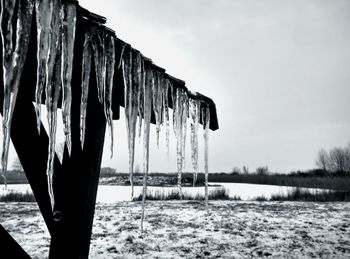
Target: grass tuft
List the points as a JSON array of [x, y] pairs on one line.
[[216, 194], [17, 197], [305, 195]]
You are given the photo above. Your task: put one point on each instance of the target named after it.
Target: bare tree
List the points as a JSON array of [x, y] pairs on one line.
[[322, 160], [262, 170], [245, 170], [337, 159], [347, 158]]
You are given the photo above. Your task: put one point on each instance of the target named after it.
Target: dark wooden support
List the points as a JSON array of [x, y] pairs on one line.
[[75, 185], [9, 247], [76, 179]]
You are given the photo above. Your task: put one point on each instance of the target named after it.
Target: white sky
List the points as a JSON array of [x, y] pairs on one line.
[[278, 71]]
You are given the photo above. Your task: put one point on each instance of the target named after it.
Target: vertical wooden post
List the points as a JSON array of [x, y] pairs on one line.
[[75, 185]]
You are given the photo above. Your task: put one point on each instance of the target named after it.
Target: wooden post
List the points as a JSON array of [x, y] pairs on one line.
[[75, 185]]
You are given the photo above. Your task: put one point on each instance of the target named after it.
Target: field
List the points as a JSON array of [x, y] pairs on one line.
[[182, 229]]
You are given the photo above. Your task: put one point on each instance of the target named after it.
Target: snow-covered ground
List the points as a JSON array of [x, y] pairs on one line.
[[182, 229]]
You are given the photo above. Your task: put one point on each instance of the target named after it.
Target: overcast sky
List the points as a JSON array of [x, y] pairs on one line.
[[278, 71]]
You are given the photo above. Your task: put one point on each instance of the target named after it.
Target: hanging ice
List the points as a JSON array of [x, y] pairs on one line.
[[132, 83], [147, 92], [98, 44], [140, 99], [53, 88], [43, 14], [68, 37], [194, 115], [157, 100], [110, 64], [206, 123], [14, 51], [180, 114], [166, 111], [85, 79]]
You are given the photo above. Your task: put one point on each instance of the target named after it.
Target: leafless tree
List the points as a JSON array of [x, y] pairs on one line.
[[322, 160], [245, 170], [337, 160], [262, 170], [347, 158]]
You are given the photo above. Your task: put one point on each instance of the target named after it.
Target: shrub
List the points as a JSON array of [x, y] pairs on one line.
[[216, 194], [17, 197]]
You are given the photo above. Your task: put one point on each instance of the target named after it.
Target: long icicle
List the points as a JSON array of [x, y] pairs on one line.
[[53, 88], [43, 14], [131, 72], [110, 64], [206, 122], [147, 90], [185, 115], [178, 118], [85, 79], [13, 58], [157, 101], [68, 38], [194, 115], [166, 112]]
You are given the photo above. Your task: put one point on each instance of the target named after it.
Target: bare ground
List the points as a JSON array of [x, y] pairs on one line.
[[173, 229]]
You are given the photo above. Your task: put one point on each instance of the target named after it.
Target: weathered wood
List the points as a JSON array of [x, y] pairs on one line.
[[75, 186]]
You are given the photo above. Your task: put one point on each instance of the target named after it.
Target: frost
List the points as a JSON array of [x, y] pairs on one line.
[[14, 51]]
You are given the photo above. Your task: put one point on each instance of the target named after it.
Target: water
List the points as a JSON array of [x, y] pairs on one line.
[[112, 194]]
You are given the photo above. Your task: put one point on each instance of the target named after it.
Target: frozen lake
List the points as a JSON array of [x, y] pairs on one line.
[[115, 193]]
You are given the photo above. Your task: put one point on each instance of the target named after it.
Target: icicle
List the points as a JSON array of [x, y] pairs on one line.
[[53, 88], [140, 98], [157, 101], [147, 90], [98, 45], [185, 115], [85, 79], [68, 37], [166, 111], [180, 110], [43, 14], [110, 64], [132, 83], [13, 58], [194, 115], [206, 123]]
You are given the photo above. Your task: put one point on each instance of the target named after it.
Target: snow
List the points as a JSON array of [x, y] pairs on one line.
[[175, 229]]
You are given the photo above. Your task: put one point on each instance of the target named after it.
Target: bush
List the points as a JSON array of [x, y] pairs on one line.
[[216, 194], [263, 170], [17, 197], [305, 195]]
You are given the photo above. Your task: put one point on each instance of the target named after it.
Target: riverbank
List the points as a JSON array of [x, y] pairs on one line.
[[182, 229]]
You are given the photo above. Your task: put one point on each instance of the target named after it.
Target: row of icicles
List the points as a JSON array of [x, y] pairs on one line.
[[146, 89]]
